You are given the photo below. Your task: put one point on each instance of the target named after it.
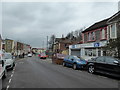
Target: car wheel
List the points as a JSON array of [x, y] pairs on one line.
[[91, 69], [64, 64], [74, 66]]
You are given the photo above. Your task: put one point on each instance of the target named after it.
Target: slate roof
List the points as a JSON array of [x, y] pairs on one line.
[[115, 17], [97, 25]]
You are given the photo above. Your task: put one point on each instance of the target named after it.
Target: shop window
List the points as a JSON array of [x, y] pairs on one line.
[[99, 52], [94, 52], [86, 52], [90, 52]]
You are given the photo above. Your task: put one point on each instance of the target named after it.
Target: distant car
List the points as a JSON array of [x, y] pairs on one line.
[[10, 61], [42, 56], [104, 64], [75, 62], [29, 55], [3, 71]]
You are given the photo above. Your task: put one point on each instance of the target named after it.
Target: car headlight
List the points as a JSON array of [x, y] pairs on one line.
[[78, 61]]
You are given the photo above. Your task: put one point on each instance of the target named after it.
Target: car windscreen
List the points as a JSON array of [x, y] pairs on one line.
[[7, 56]]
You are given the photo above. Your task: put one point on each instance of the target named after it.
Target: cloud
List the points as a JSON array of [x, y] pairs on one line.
[[32, 22]]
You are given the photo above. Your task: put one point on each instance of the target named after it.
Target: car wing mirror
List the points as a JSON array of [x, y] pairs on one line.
[[13, 57], [2, 63], [115, 62], [72, 59]]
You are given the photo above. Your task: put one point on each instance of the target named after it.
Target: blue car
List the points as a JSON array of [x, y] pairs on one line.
[[75, 62]]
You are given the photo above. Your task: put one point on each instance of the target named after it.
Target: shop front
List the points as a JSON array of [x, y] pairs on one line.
[[88, 50]]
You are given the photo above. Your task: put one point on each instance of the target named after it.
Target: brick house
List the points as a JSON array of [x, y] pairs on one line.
[[61, 45], [94, 39]]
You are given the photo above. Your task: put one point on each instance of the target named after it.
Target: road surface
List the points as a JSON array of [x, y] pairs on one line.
[[33, 72]]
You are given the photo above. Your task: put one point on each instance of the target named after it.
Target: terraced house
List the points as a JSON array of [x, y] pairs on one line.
[[114, 31], [94, 39]]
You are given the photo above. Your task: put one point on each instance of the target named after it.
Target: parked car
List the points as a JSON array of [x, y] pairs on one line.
[[105, 65], [10, 61], [75, 62], [3, 71], [29, 54], [42, 56]]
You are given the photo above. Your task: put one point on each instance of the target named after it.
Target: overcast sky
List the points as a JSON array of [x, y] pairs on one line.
[[32, 22]]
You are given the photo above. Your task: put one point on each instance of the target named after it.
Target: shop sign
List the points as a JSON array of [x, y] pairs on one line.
[[96, 44]]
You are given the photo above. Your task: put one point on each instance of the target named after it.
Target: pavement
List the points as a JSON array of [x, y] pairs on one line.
[[32, 72]]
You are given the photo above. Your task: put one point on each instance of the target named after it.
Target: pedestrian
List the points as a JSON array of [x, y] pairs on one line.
[[23, 54]]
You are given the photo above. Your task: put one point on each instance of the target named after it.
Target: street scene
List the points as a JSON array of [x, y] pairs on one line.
[[67, 45]]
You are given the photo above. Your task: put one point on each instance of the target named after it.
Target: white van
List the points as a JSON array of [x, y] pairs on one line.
[[3, 71]]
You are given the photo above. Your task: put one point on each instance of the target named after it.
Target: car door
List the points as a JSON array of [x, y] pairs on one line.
[[66, 59], [100, 63], [112, 67], [70, 60]]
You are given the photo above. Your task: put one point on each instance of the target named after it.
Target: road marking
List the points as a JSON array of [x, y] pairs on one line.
[[12, 72], [7, 87], [14, 69], [9, 80], [12, 75]]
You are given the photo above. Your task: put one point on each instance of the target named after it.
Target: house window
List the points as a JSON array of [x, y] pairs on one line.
[[93, 36], [97, 35], [89, 36], [113, 31], [85, 37], [103, 34]]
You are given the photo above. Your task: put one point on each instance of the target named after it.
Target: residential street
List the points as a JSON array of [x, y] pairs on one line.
[[35, 73]]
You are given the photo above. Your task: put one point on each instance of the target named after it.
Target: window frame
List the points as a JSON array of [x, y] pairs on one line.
[[111, 31]]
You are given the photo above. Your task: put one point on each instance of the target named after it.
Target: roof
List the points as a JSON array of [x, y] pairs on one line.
[[115, 17], [63, 40], [97, 25]]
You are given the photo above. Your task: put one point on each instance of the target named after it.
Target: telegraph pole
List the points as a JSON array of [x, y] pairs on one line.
[[47, 42]]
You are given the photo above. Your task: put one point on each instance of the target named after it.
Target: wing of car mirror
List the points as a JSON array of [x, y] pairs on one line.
[[13, 57], [2, 63], [115, 62]]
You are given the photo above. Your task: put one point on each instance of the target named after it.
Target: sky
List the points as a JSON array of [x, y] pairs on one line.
[[32, 22]]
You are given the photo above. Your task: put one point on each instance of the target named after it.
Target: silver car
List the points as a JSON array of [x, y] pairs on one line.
[[10, 61]]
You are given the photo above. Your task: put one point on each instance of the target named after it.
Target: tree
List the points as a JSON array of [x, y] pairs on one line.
[[113, 47]]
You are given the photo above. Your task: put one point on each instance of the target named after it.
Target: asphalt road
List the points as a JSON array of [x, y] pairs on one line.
[[35, 73]]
